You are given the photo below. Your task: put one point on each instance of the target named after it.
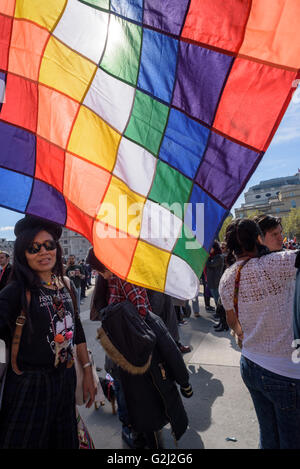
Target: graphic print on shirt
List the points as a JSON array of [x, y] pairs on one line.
[[61, 329]]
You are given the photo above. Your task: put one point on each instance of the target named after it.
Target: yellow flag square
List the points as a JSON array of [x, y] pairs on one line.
[[149, 266], [42, 12], [65, 70], [122, 208], [94, 140]]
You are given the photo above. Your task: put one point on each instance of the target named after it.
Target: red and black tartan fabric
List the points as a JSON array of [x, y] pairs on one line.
[[120, 290]]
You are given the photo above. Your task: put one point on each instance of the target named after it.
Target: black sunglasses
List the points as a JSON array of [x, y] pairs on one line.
[[35, 247]]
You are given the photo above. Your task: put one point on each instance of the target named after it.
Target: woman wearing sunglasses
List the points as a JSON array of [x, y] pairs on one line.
[[40, 327]]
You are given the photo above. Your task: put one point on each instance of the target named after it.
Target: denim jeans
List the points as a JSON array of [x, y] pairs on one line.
[[215, 294], [276, 400], [78, 295], [122, 408]]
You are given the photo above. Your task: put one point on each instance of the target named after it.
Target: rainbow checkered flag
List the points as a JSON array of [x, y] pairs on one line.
[[137, 123]]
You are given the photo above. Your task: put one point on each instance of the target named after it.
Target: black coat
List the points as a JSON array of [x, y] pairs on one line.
[[214, 270], [5, 276], [152, 397]]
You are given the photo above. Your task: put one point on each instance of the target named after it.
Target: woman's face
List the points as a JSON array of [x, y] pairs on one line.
[[42, 261]]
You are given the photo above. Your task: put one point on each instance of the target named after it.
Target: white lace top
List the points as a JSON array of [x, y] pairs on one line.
[[265, 309]]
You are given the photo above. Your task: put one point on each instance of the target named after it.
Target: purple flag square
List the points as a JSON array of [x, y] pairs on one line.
[[225, 167], [47, 202], [200, 77], [166, 15], [17, 149]]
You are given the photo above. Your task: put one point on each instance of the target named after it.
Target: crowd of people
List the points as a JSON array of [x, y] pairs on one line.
[[252, 278]]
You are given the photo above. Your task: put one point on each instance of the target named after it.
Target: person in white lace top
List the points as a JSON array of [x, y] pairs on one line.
[[263, 320]]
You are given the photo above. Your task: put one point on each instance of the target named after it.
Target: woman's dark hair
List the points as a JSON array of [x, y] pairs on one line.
[[94, 262], [242, 235], [267, 222], [216, 247], [99, 298]]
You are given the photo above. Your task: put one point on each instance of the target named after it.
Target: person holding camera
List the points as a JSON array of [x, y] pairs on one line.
[[76, 274]]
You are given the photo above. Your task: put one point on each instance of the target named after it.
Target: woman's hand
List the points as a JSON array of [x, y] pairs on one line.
[[235, 325], [89, 388], [240, 338], [88, 383]]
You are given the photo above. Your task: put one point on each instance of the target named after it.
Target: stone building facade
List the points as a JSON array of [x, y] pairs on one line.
[[7, 246], [74, 243], [273, 197]]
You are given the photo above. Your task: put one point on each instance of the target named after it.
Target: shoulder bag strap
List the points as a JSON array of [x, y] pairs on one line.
[[20, 321], [237, 285]]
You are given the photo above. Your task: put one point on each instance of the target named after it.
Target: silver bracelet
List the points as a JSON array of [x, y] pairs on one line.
[[86, 365]]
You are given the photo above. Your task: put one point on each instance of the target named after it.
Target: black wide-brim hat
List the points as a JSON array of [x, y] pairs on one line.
[[29, 222]]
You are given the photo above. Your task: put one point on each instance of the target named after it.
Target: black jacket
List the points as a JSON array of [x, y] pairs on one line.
[[5, 276], [214, 270], [152, 397]]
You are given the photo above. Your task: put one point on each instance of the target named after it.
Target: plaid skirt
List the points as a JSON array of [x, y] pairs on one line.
[[38, 410]]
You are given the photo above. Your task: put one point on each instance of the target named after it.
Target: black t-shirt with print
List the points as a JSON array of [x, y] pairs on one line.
[[37, 347]]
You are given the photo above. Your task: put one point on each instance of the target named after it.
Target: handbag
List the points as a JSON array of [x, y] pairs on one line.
[[84, 437]]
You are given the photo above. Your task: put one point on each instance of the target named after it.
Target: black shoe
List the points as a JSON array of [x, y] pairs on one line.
[[153, 440], [127, 436], [209, 308], [216, 326], [133, 439], [183, 348], [182, 322], [222, 328], [139, 440]]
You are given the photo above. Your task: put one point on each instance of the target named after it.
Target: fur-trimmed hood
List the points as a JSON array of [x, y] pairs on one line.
[[126, 337]]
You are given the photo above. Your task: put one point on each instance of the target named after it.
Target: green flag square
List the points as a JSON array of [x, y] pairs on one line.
[[170, 189], [188, 248], [122, 52], [99, 4], [147, 122]]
